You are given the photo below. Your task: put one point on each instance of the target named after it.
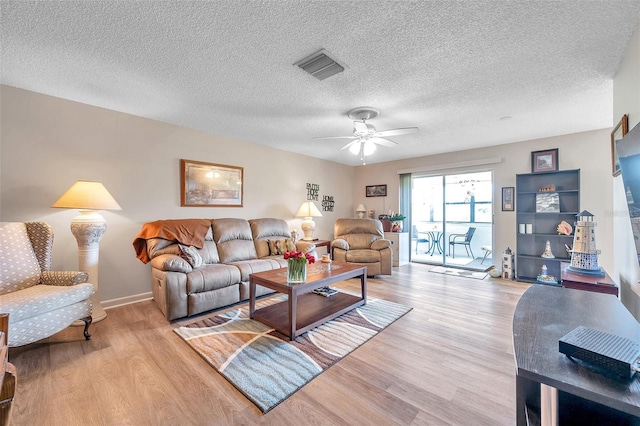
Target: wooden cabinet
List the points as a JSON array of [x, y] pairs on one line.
[[538, 214], [400, 247]]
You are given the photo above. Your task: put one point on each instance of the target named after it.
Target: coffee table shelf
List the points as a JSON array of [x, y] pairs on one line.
[[303, 309], [313, 310]]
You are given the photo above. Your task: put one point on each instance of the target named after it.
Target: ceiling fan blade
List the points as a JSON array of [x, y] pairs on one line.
[[359, 126], [396, 132], [337, 137], [349, 144], [383, 141]]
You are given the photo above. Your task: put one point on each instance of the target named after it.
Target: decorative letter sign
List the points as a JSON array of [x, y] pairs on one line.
[[312, 191]]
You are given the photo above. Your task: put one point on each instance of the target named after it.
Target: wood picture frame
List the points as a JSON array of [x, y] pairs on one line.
[[544, 161], [508, 194], [210, 184], [376, 190], [618, 133]]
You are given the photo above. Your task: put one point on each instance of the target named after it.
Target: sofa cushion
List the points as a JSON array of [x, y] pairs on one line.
[[40, 299], [363, 256], [280, 246], [19, 267], [233, 239], [248, 267], [191, 255], [212, 277]]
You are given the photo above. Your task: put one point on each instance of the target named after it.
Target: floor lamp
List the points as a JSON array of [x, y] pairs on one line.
[[88, 228]]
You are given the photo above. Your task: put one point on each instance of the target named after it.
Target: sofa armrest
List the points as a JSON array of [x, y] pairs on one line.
[[63, 277], [305, 246], [340, 243], [381, 244], [171, 263]]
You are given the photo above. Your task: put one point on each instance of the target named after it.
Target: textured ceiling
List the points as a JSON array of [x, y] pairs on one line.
[[451, 68]]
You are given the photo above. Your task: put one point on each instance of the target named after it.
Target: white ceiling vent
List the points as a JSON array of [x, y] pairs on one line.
[[320, 65]]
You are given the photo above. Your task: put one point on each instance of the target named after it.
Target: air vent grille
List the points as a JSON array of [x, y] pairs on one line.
[[320, 65]]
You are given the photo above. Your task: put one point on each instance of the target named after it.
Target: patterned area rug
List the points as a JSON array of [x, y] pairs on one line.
[[459, 272], [264, 365]]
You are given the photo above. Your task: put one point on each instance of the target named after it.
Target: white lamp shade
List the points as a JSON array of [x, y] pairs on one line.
[[308, 209], [87, 195], [361, 208]]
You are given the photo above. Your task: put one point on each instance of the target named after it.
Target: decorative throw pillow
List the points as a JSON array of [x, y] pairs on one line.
[[282, 246], [191, 255]]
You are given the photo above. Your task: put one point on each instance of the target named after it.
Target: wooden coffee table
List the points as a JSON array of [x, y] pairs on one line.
[[303, 309]]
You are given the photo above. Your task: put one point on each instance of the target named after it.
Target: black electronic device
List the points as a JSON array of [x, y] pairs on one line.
[[609, 352]]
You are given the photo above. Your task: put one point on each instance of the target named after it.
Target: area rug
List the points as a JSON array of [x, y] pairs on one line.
[[264, 365], [459, 272]]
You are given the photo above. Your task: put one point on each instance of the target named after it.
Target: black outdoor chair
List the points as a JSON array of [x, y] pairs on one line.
[[461, 239], [420, 237]]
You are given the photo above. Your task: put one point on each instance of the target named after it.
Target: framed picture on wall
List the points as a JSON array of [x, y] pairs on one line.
[[544, 161], [507, 199], [618, 133], [377, 191], [210, 184]]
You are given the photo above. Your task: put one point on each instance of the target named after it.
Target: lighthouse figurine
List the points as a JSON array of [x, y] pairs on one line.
[[584, 256]]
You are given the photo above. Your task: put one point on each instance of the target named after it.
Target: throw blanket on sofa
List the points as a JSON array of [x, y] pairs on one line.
[[190, 232]]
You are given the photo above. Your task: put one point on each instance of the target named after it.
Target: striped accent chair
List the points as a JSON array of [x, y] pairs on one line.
[[40, 302]]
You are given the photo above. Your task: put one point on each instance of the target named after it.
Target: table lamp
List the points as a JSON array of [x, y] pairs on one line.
[[88, 228], [308, 210], [361, 210]]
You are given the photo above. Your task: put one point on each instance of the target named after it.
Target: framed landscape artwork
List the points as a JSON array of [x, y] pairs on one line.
[[618, 133], [544, 161], [377, 191], [210, 184]]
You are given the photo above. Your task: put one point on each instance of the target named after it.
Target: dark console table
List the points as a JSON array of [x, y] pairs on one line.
[[572, 392]]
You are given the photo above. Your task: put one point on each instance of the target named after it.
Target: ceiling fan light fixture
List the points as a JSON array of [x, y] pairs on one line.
[[355, 148], [369, 148]]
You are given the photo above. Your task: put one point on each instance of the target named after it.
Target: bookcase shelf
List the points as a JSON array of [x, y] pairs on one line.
[[529, 247]]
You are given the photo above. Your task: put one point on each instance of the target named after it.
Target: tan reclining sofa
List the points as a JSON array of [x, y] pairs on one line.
[[198, 265]]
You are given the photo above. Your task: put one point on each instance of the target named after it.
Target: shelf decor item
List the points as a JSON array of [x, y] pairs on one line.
[[564, 228], [548, 254], [544, 161], [618, 133], [584, 256], [297, 266], [548, 202], [397, 222]]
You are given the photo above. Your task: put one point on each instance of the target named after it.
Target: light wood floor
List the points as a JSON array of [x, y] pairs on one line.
[[447, 362]]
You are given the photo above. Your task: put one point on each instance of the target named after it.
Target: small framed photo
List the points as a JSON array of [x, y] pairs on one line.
[[507, 198], [377, 191], [210, 184], [544, 161], [618, 133]]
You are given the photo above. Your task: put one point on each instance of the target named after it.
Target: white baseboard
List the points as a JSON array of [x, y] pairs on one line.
[[106, 304]]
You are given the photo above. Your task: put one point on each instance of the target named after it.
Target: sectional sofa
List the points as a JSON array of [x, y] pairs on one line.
[[202, 264]]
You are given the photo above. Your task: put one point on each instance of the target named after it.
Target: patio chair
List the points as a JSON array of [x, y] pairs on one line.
[[461, 239], [420, 237]]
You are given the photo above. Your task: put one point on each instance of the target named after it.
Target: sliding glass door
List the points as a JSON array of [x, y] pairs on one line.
[[451, 219]]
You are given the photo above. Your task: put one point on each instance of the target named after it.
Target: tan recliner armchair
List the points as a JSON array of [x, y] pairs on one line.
[[362, 241]]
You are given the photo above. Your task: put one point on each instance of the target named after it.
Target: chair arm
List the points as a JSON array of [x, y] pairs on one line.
[[63, 277], [381, 244], [340, 243], [452, 237]]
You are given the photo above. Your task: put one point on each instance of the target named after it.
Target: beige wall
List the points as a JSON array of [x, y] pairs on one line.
[[626, 100], [48, 143], [588, 151]]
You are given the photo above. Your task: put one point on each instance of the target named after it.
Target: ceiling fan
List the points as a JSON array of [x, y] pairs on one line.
[[365, 136]]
